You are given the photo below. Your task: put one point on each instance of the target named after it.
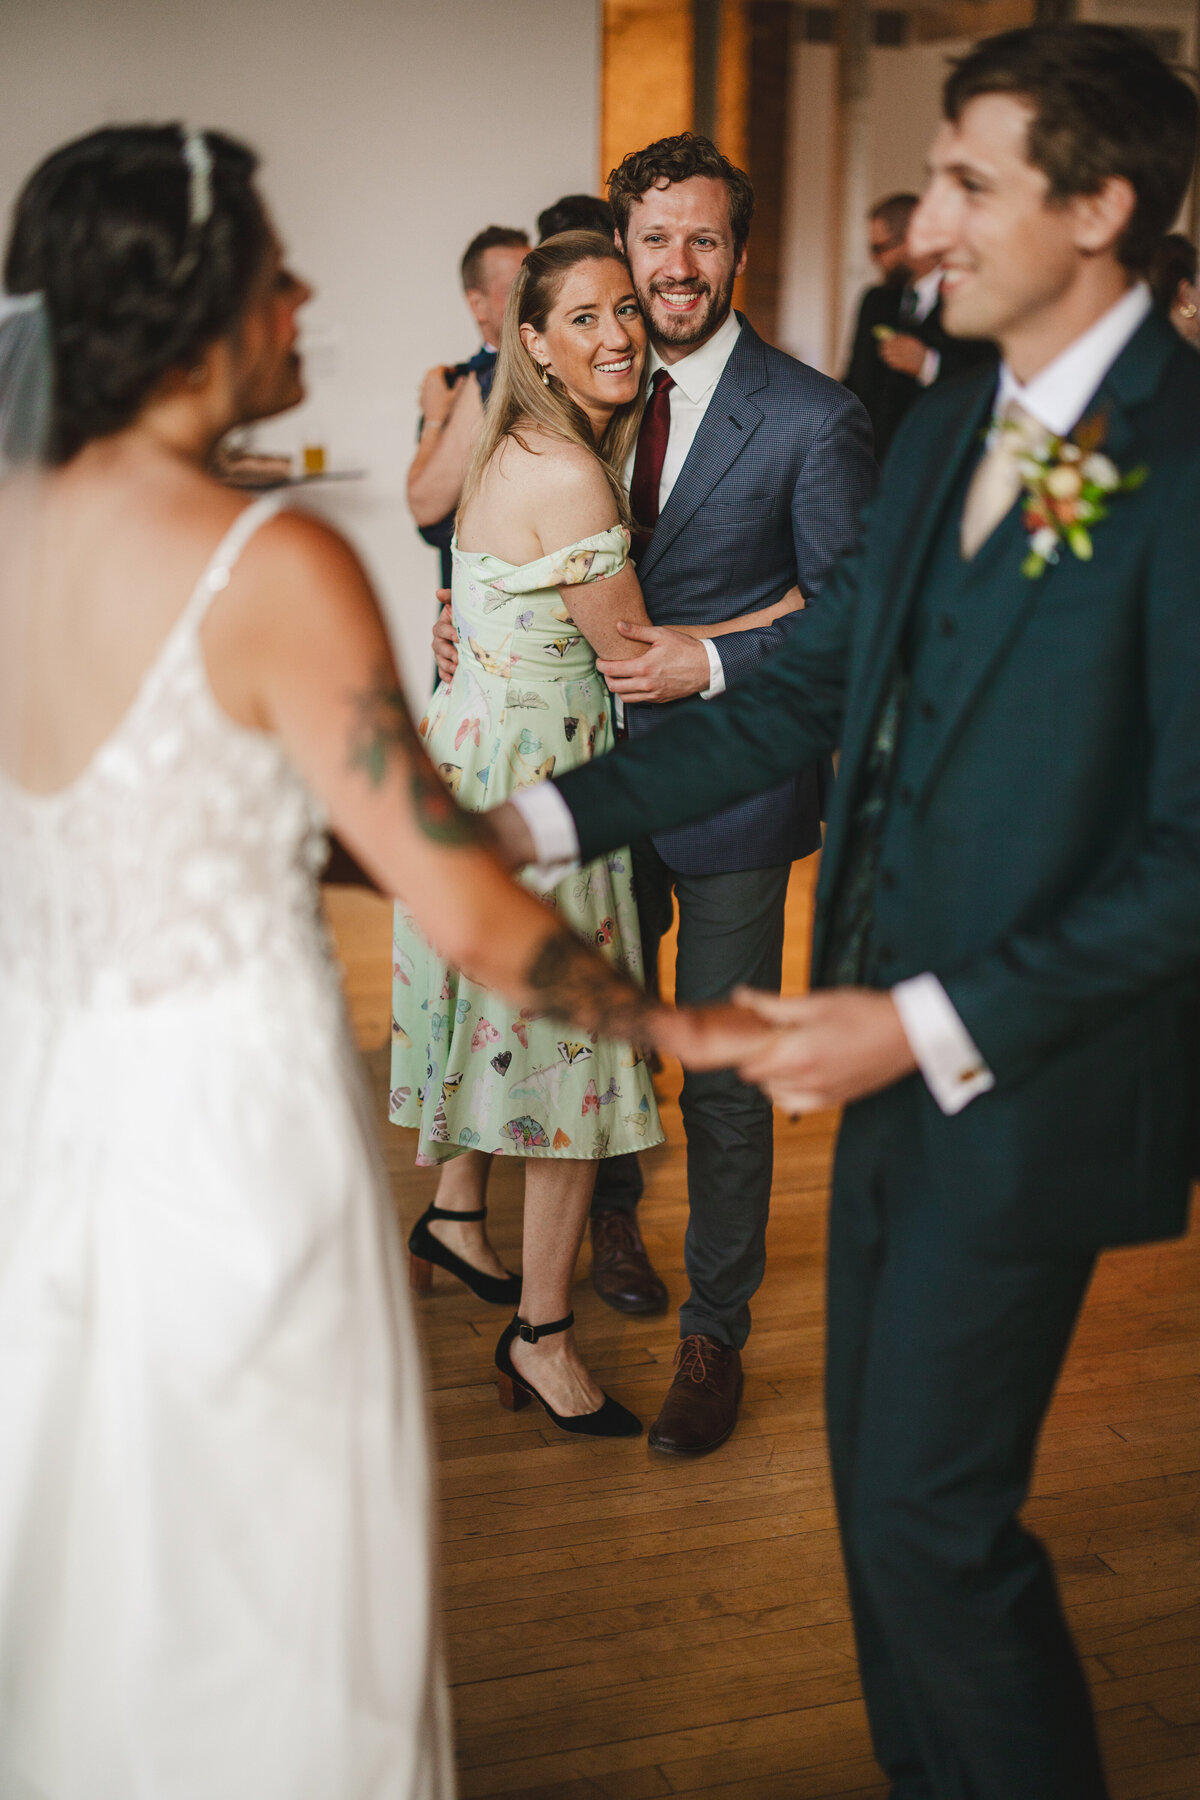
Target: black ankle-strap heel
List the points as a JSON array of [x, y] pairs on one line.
[[610, 1420], [425, 1253]]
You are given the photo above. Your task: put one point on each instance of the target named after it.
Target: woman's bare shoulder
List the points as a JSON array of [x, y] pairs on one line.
[[540, 461]]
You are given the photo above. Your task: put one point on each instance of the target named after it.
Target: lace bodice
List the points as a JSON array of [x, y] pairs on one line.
[[187, 848]]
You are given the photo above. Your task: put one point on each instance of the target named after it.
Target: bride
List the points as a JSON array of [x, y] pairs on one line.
[[214, 1495]]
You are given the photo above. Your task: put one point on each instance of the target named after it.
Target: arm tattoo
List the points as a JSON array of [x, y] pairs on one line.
[[571, 981], [384, 731]]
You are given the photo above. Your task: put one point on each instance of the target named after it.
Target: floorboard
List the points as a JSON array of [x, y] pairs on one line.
[[623, 1627]]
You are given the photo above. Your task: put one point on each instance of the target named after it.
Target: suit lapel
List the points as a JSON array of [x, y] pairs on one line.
[[998, 616], [728, 425]]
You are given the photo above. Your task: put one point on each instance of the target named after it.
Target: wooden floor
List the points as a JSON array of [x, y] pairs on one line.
[[626, 1626]]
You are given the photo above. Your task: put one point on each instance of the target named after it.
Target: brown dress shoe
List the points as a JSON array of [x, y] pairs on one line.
[[701, 1406], [621, 1270]]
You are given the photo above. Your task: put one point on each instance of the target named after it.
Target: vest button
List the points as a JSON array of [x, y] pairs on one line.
[[887, 880], [905, 795], [886, 953], [946, 626], [927, 709]]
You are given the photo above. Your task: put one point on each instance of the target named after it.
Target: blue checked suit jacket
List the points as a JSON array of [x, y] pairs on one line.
[[770, 495]]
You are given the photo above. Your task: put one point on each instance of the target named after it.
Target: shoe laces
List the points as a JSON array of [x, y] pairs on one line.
[[615, 1233], [689, 1358]]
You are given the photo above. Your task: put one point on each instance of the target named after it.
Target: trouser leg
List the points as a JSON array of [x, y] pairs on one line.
[[619, 1183], [730, 932], [942, 1362]]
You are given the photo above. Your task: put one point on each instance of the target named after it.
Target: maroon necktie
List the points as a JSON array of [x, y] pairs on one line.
[[648, 462]]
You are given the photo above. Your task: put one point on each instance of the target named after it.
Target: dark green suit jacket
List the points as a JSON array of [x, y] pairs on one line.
[[1048, 869]]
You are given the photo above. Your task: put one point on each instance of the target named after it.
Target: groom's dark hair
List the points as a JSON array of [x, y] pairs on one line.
[[1105, 104], [678, 158]]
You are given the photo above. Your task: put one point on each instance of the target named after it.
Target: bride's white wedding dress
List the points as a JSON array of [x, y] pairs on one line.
[[215, 1573]]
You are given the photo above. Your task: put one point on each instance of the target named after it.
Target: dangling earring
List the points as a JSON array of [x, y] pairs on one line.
[[197, 376], [545, 368]]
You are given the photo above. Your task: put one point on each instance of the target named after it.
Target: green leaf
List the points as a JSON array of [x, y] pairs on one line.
[[1033, 565], [1080, 543], [1135, 479]]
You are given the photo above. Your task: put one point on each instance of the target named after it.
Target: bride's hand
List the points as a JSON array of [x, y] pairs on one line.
[[507, 836], [711, 1037]]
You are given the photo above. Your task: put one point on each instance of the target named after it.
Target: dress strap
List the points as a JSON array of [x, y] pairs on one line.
[[225, 557]]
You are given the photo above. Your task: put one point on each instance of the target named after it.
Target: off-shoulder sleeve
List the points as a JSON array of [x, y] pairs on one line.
[[591, 559]]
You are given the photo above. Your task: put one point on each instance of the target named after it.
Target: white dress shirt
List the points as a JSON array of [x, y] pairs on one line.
[[925, 295], [695, 377], [953, 1069]]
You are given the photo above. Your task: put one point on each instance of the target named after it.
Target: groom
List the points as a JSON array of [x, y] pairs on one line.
[[1008, 917]]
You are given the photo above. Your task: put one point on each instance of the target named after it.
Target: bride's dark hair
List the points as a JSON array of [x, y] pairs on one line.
[[132, 286]]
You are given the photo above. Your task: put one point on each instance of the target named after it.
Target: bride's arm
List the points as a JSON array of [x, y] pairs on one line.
[[305, 633], [792, 601]]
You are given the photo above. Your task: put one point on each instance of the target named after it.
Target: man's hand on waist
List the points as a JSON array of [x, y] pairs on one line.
[[445, 638], [674, 666]]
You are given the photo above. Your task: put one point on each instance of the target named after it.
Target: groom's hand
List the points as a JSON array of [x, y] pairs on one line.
[[674, 666], [829, 1048]]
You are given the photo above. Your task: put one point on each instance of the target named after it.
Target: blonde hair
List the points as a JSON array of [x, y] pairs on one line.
[[520, 398]]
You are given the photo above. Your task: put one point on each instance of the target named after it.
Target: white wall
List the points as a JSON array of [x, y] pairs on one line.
[[905, 109], [390, 131]]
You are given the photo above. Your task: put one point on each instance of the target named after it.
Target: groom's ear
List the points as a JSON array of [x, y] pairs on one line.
[[618, 240]]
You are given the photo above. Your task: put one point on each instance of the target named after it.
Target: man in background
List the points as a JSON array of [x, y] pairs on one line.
[[576, 212], [748, 477], [452, 397], [900, 344]]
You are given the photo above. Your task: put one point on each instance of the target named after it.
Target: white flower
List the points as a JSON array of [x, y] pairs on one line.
[[1070, 453], [1064, 482], [1044, 543], [1102, 472]]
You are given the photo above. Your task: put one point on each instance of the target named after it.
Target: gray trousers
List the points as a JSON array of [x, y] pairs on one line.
[[730, 931]]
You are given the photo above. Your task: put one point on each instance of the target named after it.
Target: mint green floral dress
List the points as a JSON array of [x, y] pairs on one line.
[[469, 1072]]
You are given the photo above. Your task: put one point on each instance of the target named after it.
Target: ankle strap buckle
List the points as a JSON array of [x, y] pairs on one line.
[[530, 1334]]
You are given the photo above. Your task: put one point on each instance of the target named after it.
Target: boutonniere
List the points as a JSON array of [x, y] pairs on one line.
[[1068, 483]]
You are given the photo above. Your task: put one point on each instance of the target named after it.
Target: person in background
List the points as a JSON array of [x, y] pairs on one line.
[[900, 345], [453, 396], [885, 395], [746, 483], [1172, 277], [576, 212]]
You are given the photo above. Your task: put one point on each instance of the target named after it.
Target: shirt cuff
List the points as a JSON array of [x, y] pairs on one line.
[[716, 672], [555, 839], [954, 1070], [928, 373]]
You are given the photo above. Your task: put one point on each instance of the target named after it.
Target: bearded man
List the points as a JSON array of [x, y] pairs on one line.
[[750, 472]]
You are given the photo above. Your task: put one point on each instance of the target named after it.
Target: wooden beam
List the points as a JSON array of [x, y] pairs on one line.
[[706, 65], [852, 174], [769, 40]]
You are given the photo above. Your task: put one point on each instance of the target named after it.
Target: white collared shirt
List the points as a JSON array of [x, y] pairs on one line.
[[1058, 394], [925, 292], [695, 377]]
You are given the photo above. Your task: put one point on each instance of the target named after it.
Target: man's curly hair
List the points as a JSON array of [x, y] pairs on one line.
[[678, 158]]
